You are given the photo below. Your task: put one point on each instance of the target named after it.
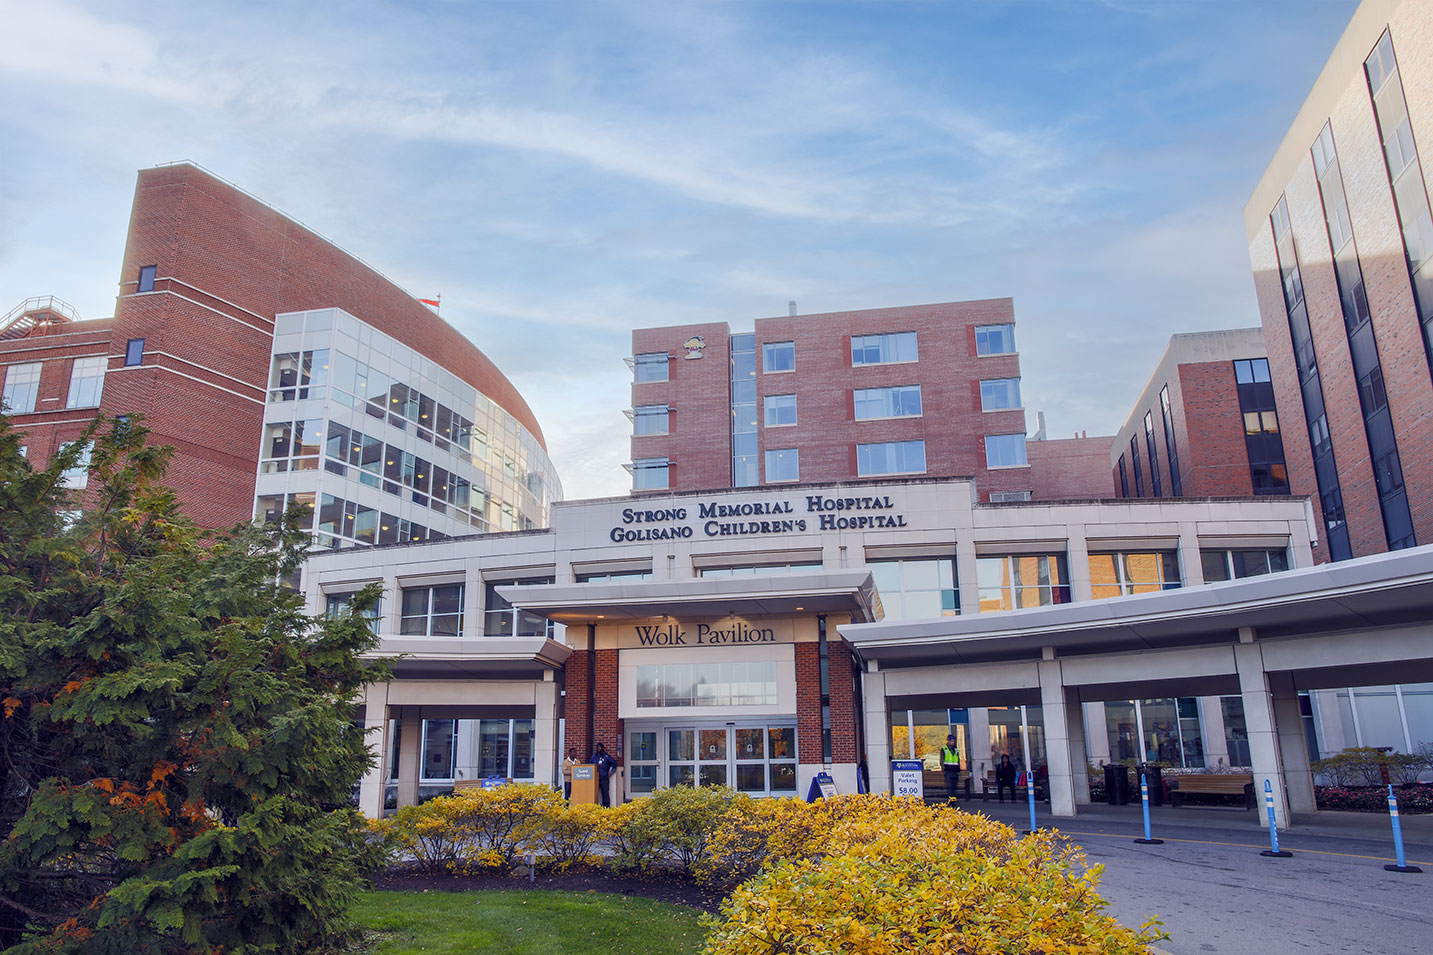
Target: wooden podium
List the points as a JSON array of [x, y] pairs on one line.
[[584, 784]]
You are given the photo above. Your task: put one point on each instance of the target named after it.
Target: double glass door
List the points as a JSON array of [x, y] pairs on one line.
[[759, 760]]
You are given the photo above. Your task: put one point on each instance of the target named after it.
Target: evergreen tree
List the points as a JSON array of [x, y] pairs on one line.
[[177, 739]]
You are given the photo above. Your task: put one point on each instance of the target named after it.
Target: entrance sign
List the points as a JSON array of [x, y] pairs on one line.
[[822, 787], [907, 778], [584, 784], [794, 514]]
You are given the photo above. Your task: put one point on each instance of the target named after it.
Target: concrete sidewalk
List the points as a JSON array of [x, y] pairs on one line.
[[1215, 893]]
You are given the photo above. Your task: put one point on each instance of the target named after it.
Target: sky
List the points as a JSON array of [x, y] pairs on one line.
[[562, 173]]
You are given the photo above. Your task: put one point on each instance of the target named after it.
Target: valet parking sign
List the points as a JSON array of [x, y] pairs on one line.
[[906, 778], [715, 518]]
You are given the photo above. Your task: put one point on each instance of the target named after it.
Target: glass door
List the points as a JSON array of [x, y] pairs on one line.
[[758, 760], [713, 763]]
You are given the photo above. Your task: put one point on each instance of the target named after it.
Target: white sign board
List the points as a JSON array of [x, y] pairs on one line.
[[907, 778]]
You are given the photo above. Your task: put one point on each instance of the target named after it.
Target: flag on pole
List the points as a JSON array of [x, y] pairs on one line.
[[436, 301]]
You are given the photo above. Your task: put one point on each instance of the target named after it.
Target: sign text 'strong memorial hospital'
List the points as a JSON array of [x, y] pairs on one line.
[[717, 519]]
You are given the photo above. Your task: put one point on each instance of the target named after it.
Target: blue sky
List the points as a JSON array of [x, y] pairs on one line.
[[564, 172]]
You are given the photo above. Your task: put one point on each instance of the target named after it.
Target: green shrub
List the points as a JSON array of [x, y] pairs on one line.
[[633, 836], [686, 817]]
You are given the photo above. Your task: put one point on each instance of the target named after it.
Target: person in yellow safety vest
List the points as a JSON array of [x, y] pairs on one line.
[[950, 765]]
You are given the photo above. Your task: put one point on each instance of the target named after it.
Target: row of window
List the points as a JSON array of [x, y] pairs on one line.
[[882, 349], [910, 588], [22, 384], [303, 375], [872, 460]]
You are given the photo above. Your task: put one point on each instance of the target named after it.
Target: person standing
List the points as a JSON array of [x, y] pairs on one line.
[[950, 765], [604, 764], [569, 761], [1005, 776]]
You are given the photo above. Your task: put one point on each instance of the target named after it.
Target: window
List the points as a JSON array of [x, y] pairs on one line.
[[650, 366], [1262, 442], [895, 457], [1113, 575], [778, 356], [613, 577], [1124, 478], [134, 352], [340, 521], [1134, 459], [1005, 451], [294, 373], [1153, 448], [995, 339], [1009, 497], [502, 619], [913, 588], [999, 394], [1016, 581], [432, 611], [650, 419], [1234, 564], [650, 474], [77, 478], [146, 277], [883, 349], [86, 382], [783, 464], [738, 683], [292, 445], [901, 401], [474, 749], [22, 388], [780, 410], [339, 604]]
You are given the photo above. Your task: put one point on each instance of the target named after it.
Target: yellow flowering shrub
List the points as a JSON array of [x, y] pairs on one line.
[[570, 835], [893, 877], [632, 836]]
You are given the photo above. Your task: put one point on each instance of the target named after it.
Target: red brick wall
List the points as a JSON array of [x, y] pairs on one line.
[[1213, 457], [808, 702], [698, 390], [608, 727], [55, 346], [843, 702], [826, 433], [226, 266], [577, 704], [1385, 274], [1070, 468]]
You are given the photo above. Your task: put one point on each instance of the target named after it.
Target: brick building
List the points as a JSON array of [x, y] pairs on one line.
[[208, 271], [1340, 239], [928, 390], [1205, 425]]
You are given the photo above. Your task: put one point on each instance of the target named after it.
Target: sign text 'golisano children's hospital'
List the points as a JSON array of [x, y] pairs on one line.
[[716, 519]]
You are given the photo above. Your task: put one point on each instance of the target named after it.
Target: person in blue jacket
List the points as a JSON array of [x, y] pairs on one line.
[[604, 763]]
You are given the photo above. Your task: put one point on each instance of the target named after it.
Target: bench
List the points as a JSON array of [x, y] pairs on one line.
[[1020, 791], [934, 782], [1214, 784]]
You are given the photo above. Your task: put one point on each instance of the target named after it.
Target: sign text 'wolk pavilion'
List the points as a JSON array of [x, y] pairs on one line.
[[717, 519]]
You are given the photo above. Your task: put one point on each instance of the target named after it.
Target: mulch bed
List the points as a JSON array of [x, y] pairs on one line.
[[672, 886]]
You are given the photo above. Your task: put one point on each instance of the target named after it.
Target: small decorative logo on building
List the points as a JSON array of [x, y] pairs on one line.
[[694, 346]]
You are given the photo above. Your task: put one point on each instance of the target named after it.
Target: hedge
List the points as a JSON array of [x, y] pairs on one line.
[[860, 874]]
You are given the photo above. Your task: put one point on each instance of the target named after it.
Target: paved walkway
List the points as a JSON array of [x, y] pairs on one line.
[[1216, 894]]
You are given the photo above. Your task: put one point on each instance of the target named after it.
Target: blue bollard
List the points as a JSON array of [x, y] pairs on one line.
[[1402, 865], [1273, 849], [1030, 791], [1144, 800]]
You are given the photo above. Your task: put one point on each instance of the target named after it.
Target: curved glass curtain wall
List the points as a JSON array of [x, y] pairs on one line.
[[386, 445]]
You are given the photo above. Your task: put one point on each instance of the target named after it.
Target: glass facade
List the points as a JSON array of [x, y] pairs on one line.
[[913, 588], [1115, 575], [394, 446], [744, 450]]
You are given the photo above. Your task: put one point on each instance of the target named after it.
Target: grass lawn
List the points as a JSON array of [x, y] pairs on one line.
[[517, 922]]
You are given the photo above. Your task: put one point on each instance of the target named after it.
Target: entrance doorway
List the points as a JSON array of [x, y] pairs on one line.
[[759, 760]]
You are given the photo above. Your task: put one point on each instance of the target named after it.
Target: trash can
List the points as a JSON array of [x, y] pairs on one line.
[[1117, 784], [1156, 783]]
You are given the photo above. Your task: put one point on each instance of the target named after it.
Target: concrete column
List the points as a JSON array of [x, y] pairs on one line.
[[1191, 568], [472, 603], [1263, 731], [966, 581], [410, 755], [878, 730], [391, 611], [375, 729], [1079, 757], [1057, 737], [1097, 736], [545, 758], [979, 745], [1211, 724], [1293, 747], [1077, 559]]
